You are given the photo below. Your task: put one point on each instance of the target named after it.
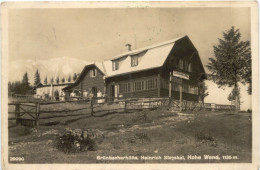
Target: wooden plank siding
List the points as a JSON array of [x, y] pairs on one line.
[[131, 78], [187, 52], [87, 82]]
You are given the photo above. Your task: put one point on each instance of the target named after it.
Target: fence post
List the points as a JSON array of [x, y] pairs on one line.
[[91, 106], [125, 108], [213, 109], [37, 123], [17, 113], [169, 104]]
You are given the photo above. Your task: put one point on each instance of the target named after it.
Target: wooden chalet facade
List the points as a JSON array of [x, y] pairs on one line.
[[146, 72], [90, 80]]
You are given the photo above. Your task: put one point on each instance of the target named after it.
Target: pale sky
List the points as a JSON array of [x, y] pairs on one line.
[[98, 34]]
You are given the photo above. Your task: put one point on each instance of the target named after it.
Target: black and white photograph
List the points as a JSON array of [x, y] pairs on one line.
[[144, 84]]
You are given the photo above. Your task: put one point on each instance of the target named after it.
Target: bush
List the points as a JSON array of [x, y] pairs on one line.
[[206, 139], [75, 141], [139, 137], [28, 130], [141, 118]]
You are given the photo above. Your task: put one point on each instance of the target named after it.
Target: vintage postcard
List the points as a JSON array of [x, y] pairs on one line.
[[130, 85]]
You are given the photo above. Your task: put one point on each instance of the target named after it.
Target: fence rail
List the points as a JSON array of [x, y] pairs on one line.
[[31, 113]]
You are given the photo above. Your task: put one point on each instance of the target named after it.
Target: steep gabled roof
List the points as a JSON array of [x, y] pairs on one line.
[[154, 57], [98, 65], [139, 50]]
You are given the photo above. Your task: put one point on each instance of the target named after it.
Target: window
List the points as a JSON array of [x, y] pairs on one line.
[[93, 73], [115, 65], [124, 87], [134, 60], [145, 84], [193, 89], [151, 84], [196, 90], [165, 83], [128, 87], [185, 88], [185, 65], [176, 86], [189, 68], [137, 86], [180, 64]]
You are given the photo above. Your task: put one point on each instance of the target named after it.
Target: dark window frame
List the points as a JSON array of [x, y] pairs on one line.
[[115, 65], [94, 72], [133, 61]]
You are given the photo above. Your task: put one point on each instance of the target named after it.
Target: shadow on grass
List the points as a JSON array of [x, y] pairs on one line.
[[107, 114], [76, 119], [229, 114], [79, 118]]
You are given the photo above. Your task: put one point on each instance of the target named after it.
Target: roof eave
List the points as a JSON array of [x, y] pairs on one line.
[[131, 72]]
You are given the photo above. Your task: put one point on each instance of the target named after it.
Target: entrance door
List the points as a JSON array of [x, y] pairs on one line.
[[112, 91], [94, 91]]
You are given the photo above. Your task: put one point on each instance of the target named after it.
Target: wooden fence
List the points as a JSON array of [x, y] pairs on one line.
[[25, 113], [32, 113]]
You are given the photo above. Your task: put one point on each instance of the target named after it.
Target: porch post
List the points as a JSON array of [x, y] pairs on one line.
[[159, 85], [181, 97], [170, 85]]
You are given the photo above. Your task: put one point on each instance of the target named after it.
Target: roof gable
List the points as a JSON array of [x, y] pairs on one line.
[[153, 58], [139, 50], [98, 66]]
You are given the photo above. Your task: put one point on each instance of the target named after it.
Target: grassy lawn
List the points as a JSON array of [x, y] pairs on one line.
[[156, 133]]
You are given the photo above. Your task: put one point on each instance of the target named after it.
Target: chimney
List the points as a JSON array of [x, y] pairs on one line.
[[128, 47]]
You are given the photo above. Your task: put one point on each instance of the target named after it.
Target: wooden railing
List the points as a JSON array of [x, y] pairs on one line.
[[25, 113], [31, 113]]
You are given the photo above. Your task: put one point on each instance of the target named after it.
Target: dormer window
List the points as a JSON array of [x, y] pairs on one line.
[[134, 60], [93, 73], [115, 65]]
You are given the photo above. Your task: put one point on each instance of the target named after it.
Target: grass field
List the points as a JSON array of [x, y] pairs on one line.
[[154, 134]]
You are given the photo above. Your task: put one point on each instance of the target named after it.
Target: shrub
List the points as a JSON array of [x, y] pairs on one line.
[[139, 137], [206, 139], [28, 130], [141, 118], [72, 142]]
